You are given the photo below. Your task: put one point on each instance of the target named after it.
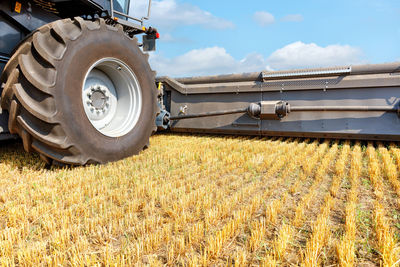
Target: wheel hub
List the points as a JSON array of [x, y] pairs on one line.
[[98, 98]]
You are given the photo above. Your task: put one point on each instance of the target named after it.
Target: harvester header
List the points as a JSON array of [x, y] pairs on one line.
[[356, 102]]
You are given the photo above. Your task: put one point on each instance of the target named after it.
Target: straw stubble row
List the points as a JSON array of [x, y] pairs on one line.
[[200, 200]]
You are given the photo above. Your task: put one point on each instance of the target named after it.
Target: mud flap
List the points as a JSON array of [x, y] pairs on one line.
[[149, 43]]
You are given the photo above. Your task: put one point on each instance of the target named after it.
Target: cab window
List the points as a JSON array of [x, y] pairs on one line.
[[121, 6]]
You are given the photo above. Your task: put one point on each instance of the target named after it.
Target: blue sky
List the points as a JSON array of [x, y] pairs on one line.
[[221, 36]]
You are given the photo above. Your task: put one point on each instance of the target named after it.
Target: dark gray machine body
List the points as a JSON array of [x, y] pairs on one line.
[[14, 27], [19, 18], [358, 102]]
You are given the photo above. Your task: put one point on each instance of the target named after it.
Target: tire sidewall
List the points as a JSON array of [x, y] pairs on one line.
[[81, 54]]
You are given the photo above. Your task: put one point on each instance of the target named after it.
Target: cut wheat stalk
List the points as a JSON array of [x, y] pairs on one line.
[[386, 244], [346, 247]]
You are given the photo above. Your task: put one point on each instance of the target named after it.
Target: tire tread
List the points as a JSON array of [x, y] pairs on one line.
[[28, 94]]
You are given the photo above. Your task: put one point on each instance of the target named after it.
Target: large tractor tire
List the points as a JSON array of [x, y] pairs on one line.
[[80, 92]]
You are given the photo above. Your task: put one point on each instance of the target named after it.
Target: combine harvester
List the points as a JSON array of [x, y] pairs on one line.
[[77, 89]]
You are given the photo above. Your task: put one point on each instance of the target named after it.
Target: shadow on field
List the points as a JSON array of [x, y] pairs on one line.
[[12, 153]]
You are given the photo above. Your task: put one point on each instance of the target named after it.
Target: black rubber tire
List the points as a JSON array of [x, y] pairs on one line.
[[42, 93]]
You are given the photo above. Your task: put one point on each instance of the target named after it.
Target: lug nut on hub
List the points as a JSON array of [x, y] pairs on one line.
[[98, 100]]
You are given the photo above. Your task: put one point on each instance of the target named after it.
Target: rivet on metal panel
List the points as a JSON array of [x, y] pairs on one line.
[[182, 110], [326, 86]]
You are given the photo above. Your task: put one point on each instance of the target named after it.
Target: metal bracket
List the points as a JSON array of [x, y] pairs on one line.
[[268, 110], [162, 120], [130, 17], [183, 109], [274, 110]]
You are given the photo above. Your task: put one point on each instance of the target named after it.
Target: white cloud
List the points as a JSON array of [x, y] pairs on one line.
[[216, 60], [263, 18], [169, 38], [170, 14], [301, 55], [207, 61], [293, 18]]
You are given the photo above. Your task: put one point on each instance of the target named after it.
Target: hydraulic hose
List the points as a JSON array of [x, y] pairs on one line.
[[208, 114]]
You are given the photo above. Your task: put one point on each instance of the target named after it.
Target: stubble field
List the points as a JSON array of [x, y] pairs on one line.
[[206, 200]]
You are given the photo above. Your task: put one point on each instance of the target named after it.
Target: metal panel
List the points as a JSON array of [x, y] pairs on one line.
[[363, 91], [308, 83], [10, 35], [2, 65], [355, 124], [230, 123], [5, 137], [15, 26]]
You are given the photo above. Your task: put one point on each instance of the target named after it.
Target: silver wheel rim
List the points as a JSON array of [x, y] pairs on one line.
[[111, 97]]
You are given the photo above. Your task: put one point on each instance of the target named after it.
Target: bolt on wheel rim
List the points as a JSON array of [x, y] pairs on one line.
[[111, 97]]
